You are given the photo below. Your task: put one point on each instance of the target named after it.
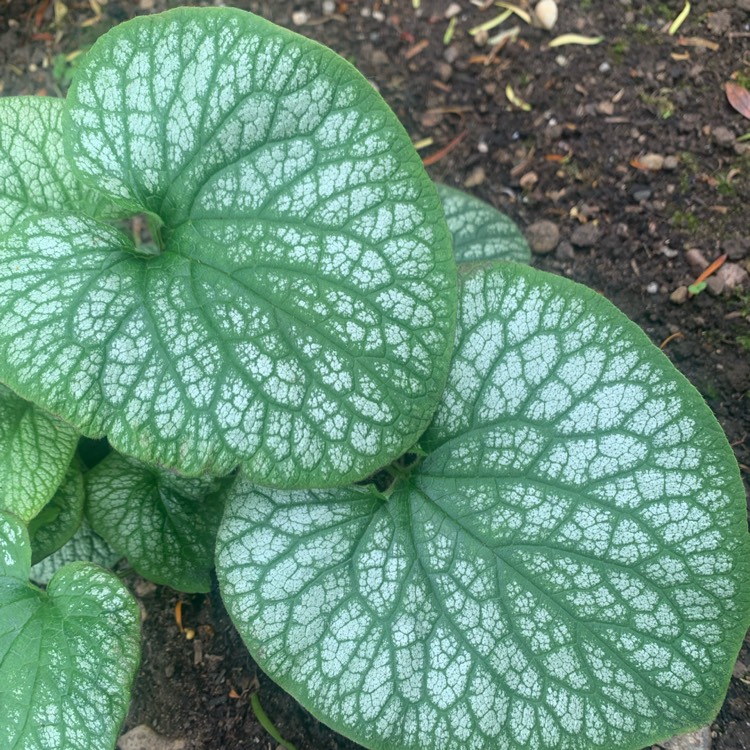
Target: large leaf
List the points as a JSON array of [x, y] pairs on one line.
[[59, 520], [297, 317], [35, 177], [567, 569], [163, 523], [35, 452], [85, 545], [68, 656], [480, 232]]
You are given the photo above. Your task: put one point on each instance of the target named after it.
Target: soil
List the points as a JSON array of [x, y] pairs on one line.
[[578, 158]]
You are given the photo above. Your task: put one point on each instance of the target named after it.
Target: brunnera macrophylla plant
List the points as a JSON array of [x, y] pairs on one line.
[[555, 552]]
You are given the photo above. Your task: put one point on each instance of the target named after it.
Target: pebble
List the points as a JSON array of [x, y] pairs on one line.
[[444, 71], [696, 260], [543, 236], [477, 177], [640, 192], [715, 285], [737, 248], [723, 136], [300, 17], [605, 67], [671, 163], [652, 288], [719, 22], [565, 251], [546, 13], [329, 7], [451, 54], [587, 235], [744, 5], [652, 162], [679, 296], [733, 276], [452, 10], [696, 741], [143, 737]]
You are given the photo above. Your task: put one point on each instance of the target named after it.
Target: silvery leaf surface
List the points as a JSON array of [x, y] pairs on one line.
[[35, 452], [481, 232], [59, 520], [68, 655], [84, 546], [298, 316], [35, 176], [567, 569], [163, 523]]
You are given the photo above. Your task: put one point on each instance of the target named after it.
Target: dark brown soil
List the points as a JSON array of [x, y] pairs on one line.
[[576, 158]]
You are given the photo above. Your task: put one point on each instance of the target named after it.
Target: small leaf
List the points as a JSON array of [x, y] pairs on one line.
[[480, 232], [68, 656], [298, 316], [516, 100], [35, 452], [60, 518], [84, 545], [739, 98], [561, 41], [567, 569], [681, 18], [164, 524]]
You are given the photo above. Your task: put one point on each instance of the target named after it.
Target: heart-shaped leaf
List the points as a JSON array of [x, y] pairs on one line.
[[35, 452], [68, 655], [35, 176], [480, 232], [163, 523], [60, 518], [567, 568], [85, 545], [298, 315]]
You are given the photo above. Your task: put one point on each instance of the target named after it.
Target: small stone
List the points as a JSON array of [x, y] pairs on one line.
[[481, 37], [146, 4], [528, 180], [700, 740], [719, 22], [477, 177], [605, 67], [144, 588], [715, 285], [696, 260], [671, 163], [329, 7], [652, 288], [379, 58], [546, 13], [565, 251], [444, 71], [451, 54], [452, 10], [668, 252], [640, 192], [723, 136], [143, 737], [587, 235], [543, 236], [300, 17], [652, 162], [732, 276], [679, 296], [737, 248]]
